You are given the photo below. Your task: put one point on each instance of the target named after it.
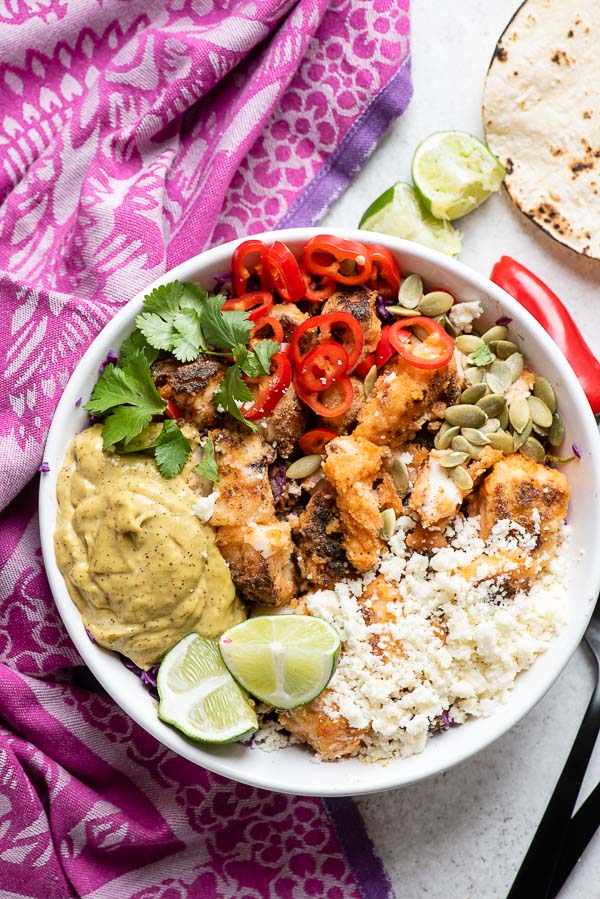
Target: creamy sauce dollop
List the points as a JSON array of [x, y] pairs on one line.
[[140, 566]]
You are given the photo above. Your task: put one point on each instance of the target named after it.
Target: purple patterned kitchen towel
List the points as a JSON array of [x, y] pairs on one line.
[[133, 133]]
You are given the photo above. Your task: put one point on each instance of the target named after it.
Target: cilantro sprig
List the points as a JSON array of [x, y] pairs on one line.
[[207, 466]]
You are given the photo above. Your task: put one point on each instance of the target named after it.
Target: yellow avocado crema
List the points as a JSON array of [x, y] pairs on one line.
[[141, 567]]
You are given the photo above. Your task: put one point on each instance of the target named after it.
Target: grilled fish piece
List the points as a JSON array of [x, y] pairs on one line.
[[260, 560], [320, 539], [332, 738], [286, 423], [359, 302], [191, 386], [289, 317], [244, 489]]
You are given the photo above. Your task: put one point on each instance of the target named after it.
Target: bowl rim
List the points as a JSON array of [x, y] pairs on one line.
[[93, 655]]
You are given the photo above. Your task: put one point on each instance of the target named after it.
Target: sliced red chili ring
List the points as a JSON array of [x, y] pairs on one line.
[[385, 350], [316, 440], [329, 403], [270, 325], [385, 272], [363, 368], [346, 261], [339, 326], [317, 288], [322, 366], [173, 411], [434, 352], [248, 259], [271, 388], [257, 303], [285, 273]]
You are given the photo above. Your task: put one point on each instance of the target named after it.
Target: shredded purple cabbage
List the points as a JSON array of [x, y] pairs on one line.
[[44, 468], [90, 635], [381, 309], [221, 280], [503, 320], [279, 482], [111, 358], [441, 723], [576, 450], [148, 678]]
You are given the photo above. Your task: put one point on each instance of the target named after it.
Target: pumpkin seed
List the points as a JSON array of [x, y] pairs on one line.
[[475, 451], [505, 348], [473, 394], [556, 435], [502, 441], [465, 415], [468, 343], [498, 332], [461, 478], [388, 523], [452, 458], [519, 414], [491, 426], [461, 445], [444, 438], [400, 477], [400, 310], [449, 327], [543, 432], [533, 449], [411, 291], [502, 375], [503, 418], [542, 389], [514, 364], [438, 302], [539, 411], [420, 332], [370, 379], [473, 375], [492, 405], [304, 467], [523, 436], [477, 438]]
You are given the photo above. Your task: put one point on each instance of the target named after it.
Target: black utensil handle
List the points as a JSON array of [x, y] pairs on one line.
[[580, 831], [535, 875]]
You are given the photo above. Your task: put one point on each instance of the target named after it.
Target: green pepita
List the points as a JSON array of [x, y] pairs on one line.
[[476, 437], [473, 394], [449, 327], [400, 310], [304, 467], [519, 414], [461, 445], [400, 477], [533, 449], [445, 435], [465, 416], [523, 436], [542, 389], [388, 523], [502, 441], [514, 363], [498, 332], [499, 375], [539, 411], [556, 435], [438, 302], [491, 426], [543, 432], [492, 405], [503, 418], [468, 343], [473, 375], [505, 348], [452, 458], [370, 379], [462, 478], [411, 291]]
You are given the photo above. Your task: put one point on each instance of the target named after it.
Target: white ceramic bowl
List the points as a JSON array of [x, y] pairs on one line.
[[292, 770]]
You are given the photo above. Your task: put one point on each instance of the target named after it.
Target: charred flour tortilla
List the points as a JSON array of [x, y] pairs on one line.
[[541, 115]]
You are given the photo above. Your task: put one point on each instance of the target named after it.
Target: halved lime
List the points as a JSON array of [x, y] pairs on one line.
[[454, 173], [399, 212], [198, 695], [283, 660]]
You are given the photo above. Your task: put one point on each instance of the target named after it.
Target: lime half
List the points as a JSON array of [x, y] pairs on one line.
[[455, 173], [283, 660], [399, 212], [198, 695]]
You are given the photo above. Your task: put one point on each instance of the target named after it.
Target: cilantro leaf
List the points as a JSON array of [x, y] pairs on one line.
[[164, 300], [481, 356], [172, 450], [123, 424], [159, 332], [260, 358], [224, 330], [189, 340], [207, 467], [112, 388], [230, 389], [136, 343]]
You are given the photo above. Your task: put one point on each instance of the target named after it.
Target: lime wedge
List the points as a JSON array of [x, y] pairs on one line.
[[454, 173], [283, 660], [198, 695], [399, 212]]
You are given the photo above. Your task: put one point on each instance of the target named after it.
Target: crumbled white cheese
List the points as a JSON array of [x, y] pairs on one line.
[[462, 315], [204, 506]]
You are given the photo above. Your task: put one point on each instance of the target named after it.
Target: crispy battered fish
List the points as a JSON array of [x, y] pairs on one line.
[[320, 540], [347, 421], [191, 386], [403, 399], [359, 302], [332, 738]]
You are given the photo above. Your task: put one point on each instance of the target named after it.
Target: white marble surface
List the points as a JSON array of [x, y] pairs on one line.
[[462, 834]]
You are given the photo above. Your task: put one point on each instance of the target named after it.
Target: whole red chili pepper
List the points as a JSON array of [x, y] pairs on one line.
[[549, 311]]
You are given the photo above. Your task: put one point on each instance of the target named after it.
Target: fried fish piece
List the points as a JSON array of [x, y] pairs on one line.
[[192, 386], [359, 302], [343, 423], [260, 560], [332, 738]]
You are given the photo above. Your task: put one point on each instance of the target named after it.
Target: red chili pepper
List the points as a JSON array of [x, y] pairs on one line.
[[257, 303], [321, 291], [363, 368], [434, 352], [248, 259], [173, 411], [385, 272], [271, 388], [346, 261], [315, 441], [330, 325], [329, 403], [285, 273], [322, 366], [271, 325], [549, 311], [385, 350]]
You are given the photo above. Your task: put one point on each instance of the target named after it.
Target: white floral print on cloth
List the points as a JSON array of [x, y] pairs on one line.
[[134, 133]]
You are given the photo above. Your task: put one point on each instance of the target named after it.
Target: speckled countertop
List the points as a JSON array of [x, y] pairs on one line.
[[461, 835]]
